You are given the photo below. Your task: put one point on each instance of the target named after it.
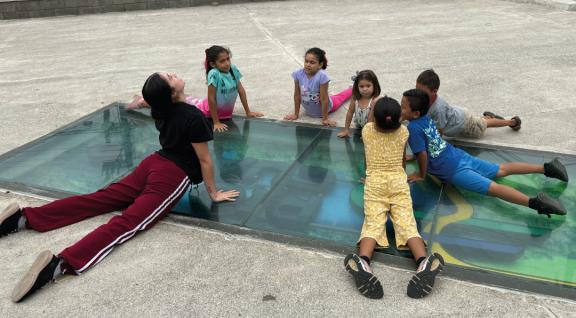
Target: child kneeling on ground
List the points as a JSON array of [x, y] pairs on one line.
[[386, 192]]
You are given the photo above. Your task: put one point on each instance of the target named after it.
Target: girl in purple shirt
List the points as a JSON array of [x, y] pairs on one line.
[[311, 89]]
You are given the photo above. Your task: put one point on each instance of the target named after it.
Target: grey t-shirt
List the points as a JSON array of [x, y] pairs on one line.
[[448, 118]]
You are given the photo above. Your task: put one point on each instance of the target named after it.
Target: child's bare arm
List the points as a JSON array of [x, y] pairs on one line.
[[207, 168], [346, 131], [422, 158], [212, 104], [404, 157], [218, 126], [325, 104], [296, 103], [244, 100], [371, 113]]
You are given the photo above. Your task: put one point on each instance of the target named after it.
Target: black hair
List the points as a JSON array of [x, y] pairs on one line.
[[387, 113], [418, 100], [430, 79], [369, 76], [158, 94], [320, 55], [212, 55]]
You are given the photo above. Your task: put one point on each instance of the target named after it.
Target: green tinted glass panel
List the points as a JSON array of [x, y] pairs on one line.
[[477, 231], [303, 181], [85, 156]]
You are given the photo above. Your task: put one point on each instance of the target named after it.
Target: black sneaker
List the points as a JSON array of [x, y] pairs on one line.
[[555, 169], [546, 205], [40, 273], [9, 219], [366, 282], [422, 282]]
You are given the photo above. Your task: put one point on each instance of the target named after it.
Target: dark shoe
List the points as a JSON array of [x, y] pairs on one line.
[[555, 169], [546, 205], [9, 219], [422, 282], [40, 273], [518, 123], [366, 282], [492, 115]]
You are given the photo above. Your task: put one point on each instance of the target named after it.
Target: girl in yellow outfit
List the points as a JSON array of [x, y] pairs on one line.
[[386, 193]]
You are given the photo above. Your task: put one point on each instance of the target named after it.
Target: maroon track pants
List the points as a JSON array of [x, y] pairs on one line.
[[145, 195]]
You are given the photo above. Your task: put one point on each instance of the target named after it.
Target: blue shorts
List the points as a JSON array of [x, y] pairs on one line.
[[474, 174]]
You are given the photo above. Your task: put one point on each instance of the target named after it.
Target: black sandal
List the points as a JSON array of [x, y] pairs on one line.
[[492, 115], [367, 284], [422, 282]]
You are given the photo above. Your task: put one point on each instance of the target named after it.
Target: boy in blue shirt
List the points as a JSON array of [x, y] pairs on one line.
[[455, 166]]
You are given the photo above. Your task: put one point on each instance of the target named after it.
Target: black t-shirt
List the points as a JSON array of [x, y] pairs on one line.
[[185, 125]]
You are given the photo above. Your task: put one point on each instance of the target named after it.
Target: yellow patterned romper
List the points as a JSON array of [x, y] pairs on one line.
[[386, 190]]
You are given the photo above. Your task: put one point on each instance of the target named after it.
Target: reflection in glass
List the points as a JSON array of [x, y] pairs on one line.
[[302, 180]]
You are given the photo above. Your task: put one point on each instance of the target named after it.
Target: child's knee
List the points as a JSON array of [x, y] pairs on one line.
[[493, 189], [503, 170]]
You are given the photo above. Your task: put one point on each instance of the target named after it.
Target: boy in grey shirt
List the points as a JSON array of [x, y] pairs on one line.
[[454, 121]]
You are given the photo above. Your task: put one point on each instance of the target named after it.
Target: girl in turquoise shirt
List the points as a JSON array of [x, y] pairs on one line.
[[224, 86]]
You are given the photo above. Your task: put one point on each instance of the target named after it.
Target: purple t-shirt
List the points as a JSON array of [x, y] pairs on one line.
[[310, 91]]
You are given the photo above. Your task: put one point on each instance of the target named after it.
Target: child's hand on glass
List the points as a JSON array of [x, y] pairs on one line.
[[328, 122], [415, 177], [220, 127], [345, 133], [222, 195], [254, 114], [291, 117]]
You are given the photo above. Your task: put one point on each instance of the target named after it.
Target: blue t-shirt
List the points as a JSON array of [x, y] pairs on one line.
[[310, 91], [443, 158]]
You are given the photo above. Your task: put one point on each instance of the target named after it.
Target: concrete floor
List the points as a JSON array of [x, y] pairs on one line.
[[510, 58]]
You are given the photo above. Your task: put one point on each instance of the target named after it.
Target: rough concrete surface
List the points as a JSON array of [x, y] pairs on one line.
[[510, 58], [569, 5], [180, 271]]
